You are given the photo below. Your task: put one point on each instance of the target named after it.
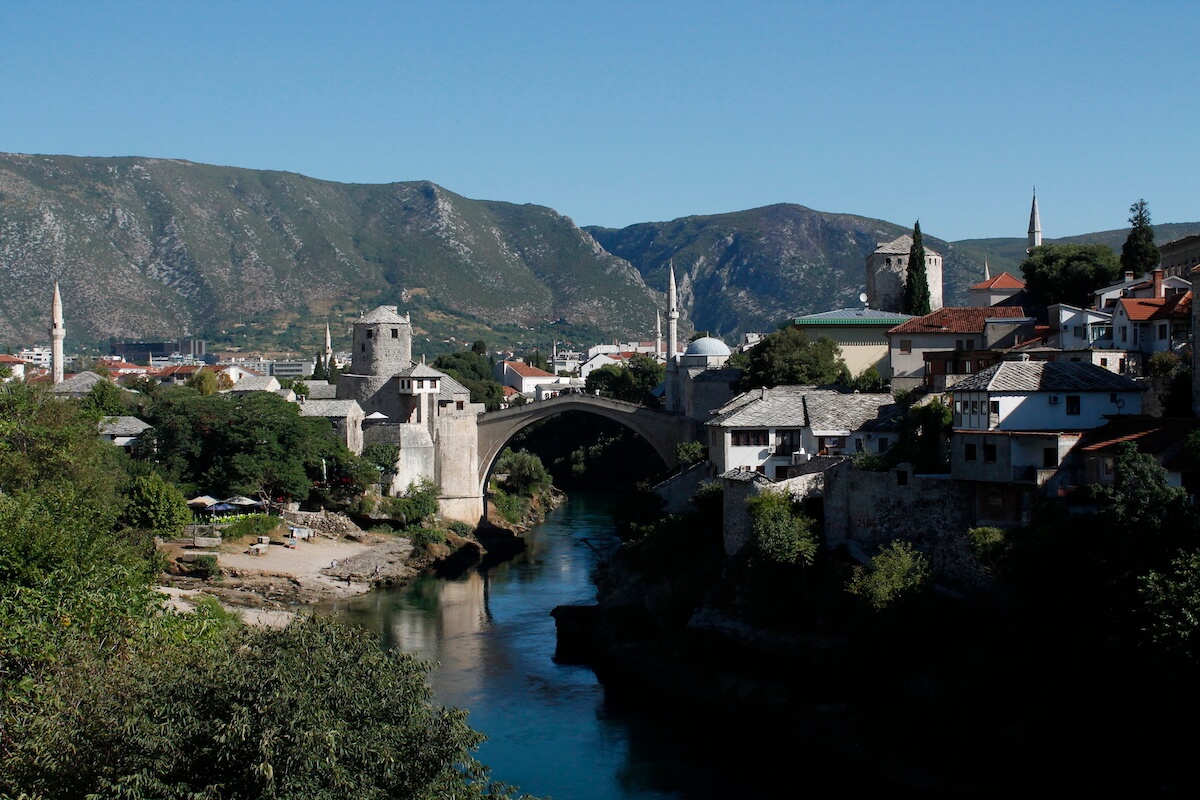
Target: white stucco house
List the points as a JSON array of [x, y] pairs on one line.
[[769, 430], [1015, 422]]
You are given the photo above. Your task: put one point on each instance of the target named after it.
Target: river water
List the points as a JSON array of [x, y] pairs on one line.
[[550, 730]]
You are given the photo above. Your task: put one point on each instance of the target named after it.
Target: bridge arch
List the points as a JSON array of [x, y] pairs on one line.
[[663, 431]]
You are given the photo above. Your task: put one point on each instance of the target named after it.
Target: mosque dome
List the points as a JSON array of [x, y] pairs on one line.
[[707, 346]]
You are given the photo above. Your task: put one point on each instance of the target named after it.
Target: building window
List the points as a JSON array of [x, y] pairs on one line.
[[1073, 405], [969, 452], [787, 441], [750, 438], [1104, 363], [369, 332], [1162, 332], [858, 445], [1124, 333], [363, 347], [970, 344], [1049, 457], [974, 406], [883, 443], [994, 407], [958, 406], [458, 404], [906, 345], [1078, 331], [989, 453], [395, 333]]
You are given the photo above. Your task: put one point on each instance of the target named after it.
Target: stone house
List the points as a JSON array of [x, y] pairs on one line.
[[995, 290], [1015, 423], [955, 328], [346, 416], [770, 430]]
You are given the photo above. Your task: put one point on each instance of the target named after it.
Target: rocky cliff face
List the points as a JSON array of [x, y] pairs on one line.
[[156, 248]]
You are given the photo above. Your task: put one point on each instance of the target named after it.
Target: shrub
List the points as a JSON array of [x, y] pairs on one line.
[[251, 525], [509, 506], [423, 537], [897, 571], [205, 567], [689, 453], [418, 504], [463, 529], [526, 474], [986, 543], [870, 462], [779, 535], [157, 505]]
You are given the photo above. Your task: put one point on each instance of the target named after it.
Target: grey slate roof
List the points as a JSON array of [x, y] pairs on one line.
[[334, 409], [420, 371], [1046, 376], [728, 375], [450, 387], [800, 407], [122, 426], [383, 314], [901, 247], [256, 383], [320, 390], [77, 385]]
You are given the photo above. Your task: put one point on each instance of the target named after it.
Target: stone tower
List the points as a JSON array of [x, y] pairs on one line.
[[58, 332], [382, 347], [1035, 225], [887, 271]]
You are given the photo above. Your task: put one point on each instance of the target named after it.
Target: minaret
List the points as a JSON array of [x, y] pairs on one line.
[[657, 333], [672, 319], [1035, 224], [57, 333], [987, 273], [328, 347]]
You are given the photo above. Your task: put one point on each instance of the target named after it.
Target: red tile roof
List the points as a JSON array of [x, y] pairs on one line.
[[5, 358], [1004, 280], [958, 320], [1177, 306], [1140, 309], [527, 371]]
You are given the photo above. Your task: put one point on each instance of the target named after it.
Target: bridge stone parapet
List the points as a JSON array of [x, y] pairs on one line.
[[662, 430]]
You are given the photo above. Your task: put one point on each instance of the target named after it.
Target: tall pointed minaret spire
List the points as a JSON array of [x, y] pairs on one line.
[[657, 333], [1035, 224], [672, 318], [987, 272], [58, 332], [328, 347]]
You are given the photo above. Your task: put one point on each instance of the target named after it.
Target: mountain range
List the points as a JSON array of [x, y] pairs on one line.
[[157, 248]]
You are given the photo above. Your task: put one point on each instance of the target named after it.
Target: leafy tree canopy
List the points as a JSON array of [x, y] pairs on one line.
[[632, 382], [472, 370], [1068, 273], [1139, 254], [788, 356]]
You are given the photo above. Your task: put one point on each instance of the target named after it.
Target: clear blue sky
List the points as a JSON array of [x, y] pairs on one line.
[[622, 112]]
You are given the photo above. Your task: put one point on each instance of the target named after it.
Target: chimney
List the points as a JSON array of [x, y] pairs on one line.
[[1158, 287], [1128, 275]]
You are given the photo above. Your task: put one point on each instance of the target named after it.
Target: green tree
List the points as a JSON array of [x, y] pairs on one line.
[[527, 476], [787, 356], [479, 348], [1171, 598], [632, 382], [780, 535], [203, 381], [1068, 273], [155, 504], [472, 371], [897, 571], [1139, 254], [105, 398], [916, 281], [321, 370]]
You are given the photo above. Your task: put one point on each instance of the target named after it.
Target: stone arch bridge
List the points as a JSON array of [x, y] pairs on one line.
[[663, 431]]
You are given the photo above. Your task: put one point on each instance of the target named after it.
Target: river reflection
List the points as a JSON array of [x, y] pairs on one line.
[[549, 728]]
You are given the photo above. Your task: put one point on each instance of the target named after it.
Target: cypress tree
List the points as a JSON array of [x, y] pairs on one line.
[[1139, 253], [916, 284]]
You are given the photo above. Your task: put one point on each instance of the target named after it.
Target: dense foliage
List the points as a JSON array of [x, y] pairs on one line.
[[780, 535], [916, 281], [1068, 273], [788, 356], [632, 382], [1139, 254], [255, 444], [472, 370], [103, 694], [897, 571]]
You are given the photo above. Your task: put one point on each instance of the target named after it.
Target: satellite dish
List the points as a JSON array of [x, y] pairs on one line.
[[862, 297]]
